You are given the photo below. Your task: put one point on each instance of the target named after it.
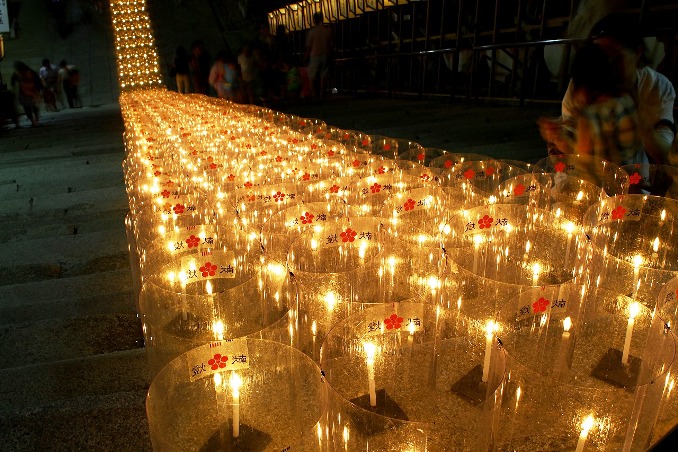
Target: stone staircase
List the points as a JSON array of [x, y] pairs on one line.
[[72, 366]]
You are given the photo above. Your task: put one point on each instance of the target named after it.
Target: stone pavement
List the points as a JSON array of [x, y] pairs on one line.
[[72, 367]]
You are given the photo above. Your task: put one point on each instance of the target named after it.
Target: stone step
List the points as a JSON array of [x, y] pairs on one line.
[[76, 287], [24, 228], [42, 341], [110, 422], [30, 387], [49, 258], [62, 204], [94, 304]]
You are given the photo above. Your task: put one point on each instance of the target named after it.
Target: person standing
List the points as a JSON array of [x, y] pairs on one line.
[[182, 70], [200, 67], [26, 83], [319, 53], [69, 80], [618, 36], [49, 74]]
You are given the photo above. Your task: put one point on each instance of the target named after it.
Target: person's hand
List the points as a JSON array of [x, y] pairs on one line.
[[551, 131]]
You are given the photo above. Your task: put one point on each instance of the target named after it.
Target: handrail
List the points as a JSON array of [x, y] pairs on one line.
[[474, 48]]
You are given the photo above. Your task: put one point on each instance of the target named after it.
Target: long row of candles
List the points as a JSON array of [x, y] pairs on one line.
[[304, 287]]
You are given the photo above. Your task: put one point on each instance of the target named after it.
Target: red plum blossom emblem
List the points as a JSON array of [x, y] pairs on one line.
[[425, 177], [393, 322], [213, 166], [334, 189], [165, 193], [330, 153], [365, 142], [634, 178], [409, 204], [469, 173], [381, 170], [230, 177], [193, 241], [485, 222], [356, 163], [278, 159], [306, 218], [376, 188], [489, 171], [387, 147], [209, 269], [540, 305], [306, 176], [218, 362], [279, 196], [559, 167], [518, 189], [247, 184], [348, 235], [179, 209], [448, 164], [421, 156], [618, 213]]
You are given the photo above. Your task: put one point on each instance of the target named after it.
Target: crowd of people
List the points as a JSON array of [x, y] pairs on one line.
[[50, 85], [263, 71]]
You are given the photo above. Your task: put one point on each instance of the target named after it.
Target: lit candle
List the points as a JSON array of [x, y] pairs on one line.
[[634, 309], [569, 227], [370, 350], [477, 240], [490, 327], [410, 338], [585, 427], [637, 262], [655, 248], [235, 382], [536, 269], [218, 387], [218, 329], [210, 297], [564, 345]]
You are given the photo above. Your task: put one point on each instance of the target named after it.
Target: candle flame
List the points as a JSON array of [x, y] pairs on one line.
[[218, 328], [314, 328], [370, 350], [217, 381], [634, 309], [490, 327], [235, 381], [411, 328], [208, 288], [477, 240], [637, 260], [569, 227], [567, 324], [655, 244], [528, 245], [588, 423]]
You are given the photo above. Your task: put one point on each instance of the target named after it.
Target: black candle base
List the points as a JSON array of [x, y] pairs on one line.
[[386, 407], [191, 327], [611, 370], [249, 440], [471, 386]]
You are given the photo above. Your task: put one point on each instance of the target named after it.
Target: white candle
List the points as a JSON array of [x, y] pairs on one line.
[[585, 427], [655, 248], [637, 262], [235, 382], [490, 327], [218, 328], [370, 350], [477, 240], [634, 309], [564, 345], [536, 269]]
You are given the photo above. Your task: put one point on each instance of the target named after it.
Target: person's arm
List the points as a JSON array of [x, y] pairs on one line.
[[554, 131], [658, 134]]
